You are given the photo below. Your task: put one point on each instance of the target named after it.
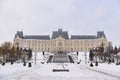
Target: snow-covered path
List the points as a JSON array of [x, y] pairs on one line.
[[44, 72]]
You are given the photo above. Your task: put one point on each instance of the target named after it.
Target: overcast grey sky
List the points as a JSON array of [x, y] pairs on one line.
[[76, 16]]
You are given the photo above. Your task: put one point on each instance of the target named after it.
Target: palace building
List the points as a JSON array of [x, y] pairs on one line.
[[60, 41]]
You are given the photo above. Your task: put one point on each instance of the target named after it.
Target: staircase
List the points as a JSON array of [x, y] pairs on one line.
[[60, 57]]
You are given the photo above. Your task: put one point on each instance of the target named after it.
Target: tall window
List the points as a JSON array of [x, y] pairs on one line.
[[60, 44], [71, 49]]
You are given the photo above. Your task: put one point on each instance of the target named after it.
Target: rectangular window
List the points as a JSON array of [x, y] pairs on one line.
[[81, 49], [71, 49]]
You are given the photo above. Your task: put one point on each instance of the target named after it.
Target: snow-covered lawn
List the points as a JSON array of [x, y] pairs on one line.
[[44, 72], [8, 69], [40, 71], [111, 69]]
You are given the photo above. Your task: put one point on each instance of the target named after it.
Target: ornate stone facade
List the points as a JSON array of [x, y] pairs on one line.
[[60, 41]]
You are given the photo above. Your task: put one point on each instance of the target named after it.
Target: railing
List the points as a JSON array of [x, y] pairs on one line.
[[50, 59], [70, 58]]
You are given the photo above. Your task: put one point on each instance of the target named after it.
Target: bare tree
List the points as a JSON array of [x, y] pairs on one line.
[[5, 50], [13, 53]]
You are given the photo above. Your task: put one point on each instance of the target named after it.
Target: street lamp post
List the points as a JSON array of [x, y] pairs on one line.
[[35, 57], [85, 57]]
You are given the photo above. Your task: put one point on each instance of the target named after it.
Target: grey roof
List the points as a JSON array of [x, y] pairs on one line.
[[45, 37], [19, 33], [100, 34], [61, 33], [83, 37]]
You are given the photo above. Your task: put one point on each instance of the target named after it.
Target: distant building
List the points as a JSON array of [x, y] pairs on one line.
[[60, 41]]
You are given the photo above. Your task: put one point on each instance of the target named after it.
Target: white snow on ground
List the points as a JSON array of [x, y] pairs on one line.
[[81, 57], [44, 71], [8, 69], [110, 69], [38, 55]]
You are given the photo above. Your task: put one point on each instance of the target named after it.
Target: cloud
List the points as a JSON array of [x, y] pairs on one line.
[[44, 16]]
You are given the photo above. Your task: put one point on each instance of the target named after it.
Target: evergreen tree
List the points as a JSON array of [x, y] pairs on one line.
[[29, 54], [20, 53], [115, 50], [91, 55], [12, 54], [119, 49]]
